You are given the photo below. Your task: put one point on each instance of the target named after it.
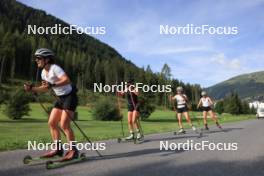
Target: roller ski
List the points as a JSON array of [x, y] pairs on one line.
[[130, 138], [139, 138], [206, 128], [180, 132], [49, 156], [61, 162]]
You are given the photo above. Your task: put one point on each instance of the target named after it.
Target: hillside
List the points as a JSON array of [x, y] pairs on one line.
[[85, 58], [248, 86]]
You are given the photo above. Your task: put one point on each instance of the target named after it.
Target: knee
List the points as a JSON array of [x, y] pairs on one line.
[[52, 124], [134, 120], [130, 122], [64, 125]]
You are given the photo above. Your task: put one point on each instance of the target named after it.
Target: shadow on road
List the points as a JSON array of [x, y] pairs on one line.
[[137, 153], [208, 168], [221, 131]]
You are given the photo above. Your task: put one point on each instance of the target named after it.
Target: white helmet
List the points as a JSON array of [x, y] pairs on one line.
[[203, 93], [179, 89], [44, 52]]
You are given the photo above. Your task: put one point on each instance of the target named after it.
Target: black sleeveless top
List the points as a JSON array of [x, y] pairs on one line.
[[132, 99]]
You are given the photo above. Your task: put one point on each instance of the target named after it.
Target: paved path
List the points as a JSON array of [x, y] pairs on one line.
[[128, 159]]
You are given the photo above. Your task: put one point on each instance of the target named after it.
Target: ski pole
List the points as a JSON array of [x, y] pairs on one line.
[[38, 100], [75, 123], [198, 121], [174, 109], [119, 109], [139, 125]]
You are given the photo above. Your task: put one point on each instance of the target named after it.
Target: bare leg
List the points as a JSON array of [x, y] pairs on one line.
[[66, 124], [135, 120], [187, 116], [54, 118], [130, 121], [205, 117], [212, 114], [179, 115]]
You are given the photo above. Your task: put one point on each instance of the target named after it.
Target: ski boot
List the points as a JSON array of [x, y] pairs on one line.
[[219, 126], [130, 137], [58, 152], [70, 155], [206, 127], [193, 128], [181, 131]]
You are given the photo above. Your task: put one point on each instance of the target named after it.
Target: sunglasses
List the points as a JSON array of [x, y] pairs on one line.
[[38, 58]]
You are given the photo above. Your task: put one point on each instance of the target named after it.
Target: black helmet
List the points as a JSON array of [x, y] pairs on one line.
[[44, 52]]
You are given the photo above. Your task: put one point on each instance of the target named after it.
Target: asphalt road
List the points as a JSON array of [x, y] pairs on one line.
[[147, 159]]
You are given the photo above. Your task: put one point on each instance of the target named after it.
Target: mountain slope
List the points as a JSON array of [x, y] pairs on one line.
[[85, 58], [247, 86]]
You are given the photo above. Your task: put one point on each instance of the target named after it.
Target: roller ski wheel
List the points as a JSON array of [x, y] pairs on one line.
[[27, 159]]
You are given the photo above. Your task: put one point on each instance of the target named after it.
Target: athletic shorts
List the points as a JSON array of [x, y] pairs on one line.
[[131, 108], [182, 110], [206, 108], [69, 102]]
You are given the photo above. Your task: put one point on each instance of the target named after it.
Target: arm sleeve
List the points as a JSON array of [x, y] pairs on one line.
[[58, 71]]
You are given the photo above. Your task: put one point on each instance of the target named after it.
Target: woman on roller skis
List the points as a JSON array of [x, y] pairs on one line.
[[133, 110], [182, 109], [205, 104], [62, 113]]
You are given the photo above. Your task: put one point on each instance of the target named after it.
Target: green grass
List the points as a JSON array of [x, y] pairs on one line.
[[14, 134]]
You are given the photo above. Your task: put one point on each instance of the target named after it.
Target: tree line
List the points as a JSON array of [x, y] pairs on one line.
[[84, 58], [234, 105]]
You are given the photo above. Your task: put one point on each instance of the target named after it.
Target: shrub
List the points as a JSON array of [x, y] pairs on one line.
[[17, 106], [3, 96], [219, 107], [106, 109], [146, 107]]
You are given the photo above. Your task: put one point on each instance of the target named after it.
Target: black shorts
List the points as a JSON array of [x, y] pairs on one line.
[[206, 108], [182, 110], [69, 102], [131, 108]]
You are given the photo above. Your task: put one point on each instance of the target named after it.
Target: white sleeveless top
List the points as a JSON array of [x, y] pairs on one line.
[[205, 102], [181, 103], [55, 72]]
